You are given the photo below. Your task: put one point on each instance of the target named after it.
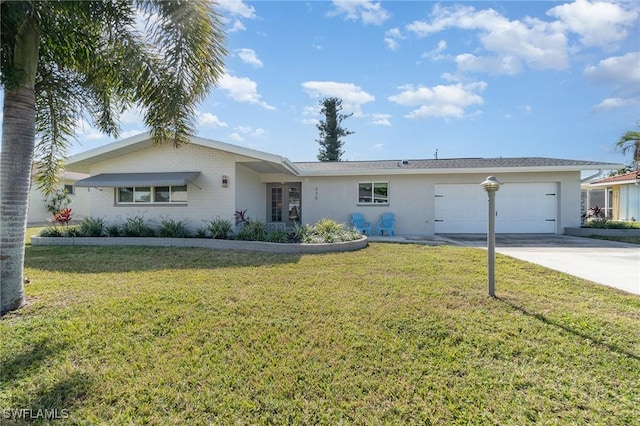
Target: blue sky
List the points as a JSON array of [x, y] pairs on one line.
[[468, 79]]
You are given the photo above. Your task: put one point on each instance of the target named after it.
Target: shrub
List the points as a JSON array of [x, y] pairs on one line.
[[92, 227], [112, 231], [202, 232], [135, 227], [330, 231], [170, 228], [63, 217], [300, 232], [252, 231], [71, 231], [50, 231], [220, 229], [279, 236], [608, 224]]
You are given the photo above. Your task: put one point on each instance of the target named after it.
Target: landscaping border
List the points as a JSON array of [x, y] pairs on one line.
[[259, 246], [601, 232]]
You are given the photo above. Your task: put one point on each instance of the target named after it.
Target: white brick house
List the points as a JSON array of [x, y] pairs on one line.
[[208, 179]]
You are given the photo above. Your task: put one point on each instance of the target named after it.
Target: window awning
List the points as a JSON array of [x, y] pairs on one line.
[[117, 180]]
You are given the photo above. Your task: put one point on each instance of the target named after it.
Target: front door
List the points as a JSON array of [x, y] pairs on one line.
[[284, 202]]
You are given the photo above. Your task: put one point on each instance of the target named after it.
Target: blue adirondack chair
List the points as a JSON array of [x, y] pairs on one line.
[[359, 222], [386, 224]]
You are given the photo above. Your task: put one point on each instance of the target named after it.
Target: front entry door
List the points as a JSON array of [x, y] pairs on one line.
[[284, 202]]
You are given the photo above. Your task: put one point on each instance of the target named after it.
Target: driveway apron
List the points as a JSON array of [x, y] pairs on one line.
[[604, 262]]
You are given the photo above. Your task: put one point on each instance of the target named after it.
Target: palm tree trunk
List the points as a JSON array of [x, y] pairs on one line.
[[18, 141]]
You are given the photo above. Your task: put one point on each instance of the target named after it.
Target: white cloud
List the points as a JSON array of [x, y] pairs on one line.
[[133, 115], [366, 10], [440, 101], [391, 38], [622, 74], [378, 147], [539, 44], [248, 56], [616, 70], [597, 23], [249, 131], [237, 26], [526, 109], [236, 137], [237, 8], [508, 65], [206, 119], [381, 119], [436, 53], [85, 131], [612, 103], [353, 97], [236, 11], [242, 89]]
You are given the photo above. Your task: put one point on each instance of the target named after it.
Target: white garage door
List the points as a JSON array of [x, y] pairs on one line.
[[520, 208]]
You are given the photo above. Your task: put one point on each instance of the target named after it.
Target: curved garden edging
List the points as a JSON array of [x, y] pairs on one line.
[[260, 246]]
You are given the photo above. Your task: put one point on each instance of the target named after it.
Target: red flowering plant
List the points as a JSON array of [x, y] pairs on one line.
[[63, 217]]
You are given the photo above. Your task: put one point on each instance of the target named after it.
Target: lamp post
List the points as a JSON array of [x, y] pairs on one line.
[[491, 185]]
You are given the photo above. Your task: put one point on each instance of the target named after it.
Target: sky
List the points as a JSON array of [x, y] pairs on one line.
[[460, 79]]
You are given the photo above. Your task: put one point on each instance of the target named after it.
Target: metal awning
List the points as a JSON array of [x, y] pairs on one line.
[[117, 180]]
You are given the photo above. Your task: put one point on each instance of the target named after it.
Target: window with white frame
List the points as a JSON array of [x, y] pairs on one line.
[[373, 193], [176, 194]]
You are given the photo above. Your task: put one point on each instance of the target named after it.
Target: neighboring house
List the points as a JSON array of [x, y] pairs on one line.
[[618, 196], [38, 213], [207, 179]]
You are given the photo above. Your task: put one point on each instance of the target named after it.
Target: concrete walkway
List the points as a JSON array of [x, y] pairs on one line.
[[604, 262]]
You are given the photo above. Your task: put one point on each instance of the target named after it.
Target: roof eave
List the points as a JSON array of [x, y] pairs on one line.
[[456, 170]]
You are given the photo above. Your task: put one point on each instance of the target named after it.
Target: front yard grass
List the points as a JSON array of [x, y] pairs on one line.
[[392, 334]]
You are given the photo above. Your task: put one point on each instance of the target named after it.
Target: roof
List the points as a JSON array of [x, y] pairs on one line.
[[259, 161], [449, 165], [263, 162], [116, 180], [624, 178]]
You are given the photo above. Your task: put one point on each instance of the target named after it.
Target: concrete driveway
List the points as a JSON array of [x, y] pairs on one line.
[[610, 263]]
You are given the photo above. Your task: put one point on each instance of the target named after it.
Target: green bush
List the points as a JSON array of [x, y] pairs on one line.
[[330, 231], [220, 229], [300, 232], [202, 232], [71, 231], [609, 224], [92, 227], [112, 231], [135, 227], [170, 228], [252, 231], [279, 236], [51, 231]]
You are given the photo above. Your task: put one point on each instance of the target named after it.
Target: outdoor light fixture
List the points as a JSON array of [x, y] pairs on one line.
[[491, 185], [225, 181]]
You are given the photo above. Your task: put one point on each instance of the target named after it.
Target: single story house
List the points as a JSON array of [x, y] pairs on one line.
[[207, 179], [79, 200], [618, 196]]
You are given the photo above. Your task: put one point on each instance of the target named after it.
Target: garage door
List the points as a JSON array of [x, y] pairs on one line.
[[520, 208]]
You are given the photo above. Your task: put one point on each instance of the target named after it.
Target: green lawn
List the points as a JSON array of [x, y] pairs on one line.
[[392, 334]]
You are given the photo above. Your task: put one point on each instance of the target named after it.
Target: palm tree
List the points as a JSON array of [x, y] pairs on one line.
[[630, 141], [62, 61]]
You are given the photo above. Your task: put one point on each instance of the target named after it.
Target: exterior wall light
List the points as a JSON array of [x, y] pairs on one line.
[[225, 181], [491, 185]]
